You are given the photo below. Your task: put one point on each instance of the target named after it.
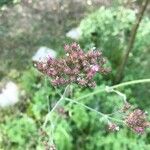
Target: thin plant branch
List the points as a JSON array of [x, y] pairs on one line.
[[114, 87], [104, 89], [106, 116], [56, 105], [122, 95], [134, 30]]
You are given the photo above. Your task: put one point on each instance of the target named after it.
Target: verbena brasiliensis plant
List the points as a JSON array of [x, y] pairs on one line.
[[79, 67]]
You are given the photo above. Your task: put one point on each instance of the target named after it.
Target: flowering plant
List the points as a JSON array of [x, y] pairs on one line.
[[76, 67], [80, 68]]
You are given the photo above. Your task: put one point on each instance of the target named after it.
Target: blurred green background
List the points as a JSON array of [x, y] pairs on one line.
[[25, 26]]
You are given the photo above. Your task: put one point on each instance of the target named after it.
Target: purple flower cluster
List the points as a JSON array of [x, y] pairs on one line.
[[76, 67], [136, 120]]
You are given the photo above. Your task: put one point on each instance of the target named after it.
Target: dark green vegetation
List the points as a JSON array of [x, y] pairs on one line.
[[110, 31], [5, 2], [107, 29]]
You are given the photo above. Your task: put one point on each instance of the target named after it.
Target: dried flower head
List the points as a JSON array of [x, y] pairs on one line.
[[76, 67], [62, 112], [126, 107], [113, 127], [52, 147], [136, 120]]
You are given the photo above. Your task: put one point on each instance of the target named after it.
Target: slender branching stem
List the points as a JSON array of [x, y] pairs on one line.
[[56, 105], [114, 87], [104, 89], [131, 41], [106, 116]]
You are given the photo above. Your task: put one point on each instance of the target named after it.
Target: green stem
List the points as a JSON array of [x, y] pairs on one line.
[[56, 105], [115, 86], [91, 109], [90, 94], [48, 115], [131, 83]]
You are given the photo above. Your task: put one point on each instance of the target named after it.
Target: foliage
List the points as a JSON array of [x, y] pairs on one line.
[[109, 30], [8, 2], [4, 2], [80, 128], [19, 131]]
